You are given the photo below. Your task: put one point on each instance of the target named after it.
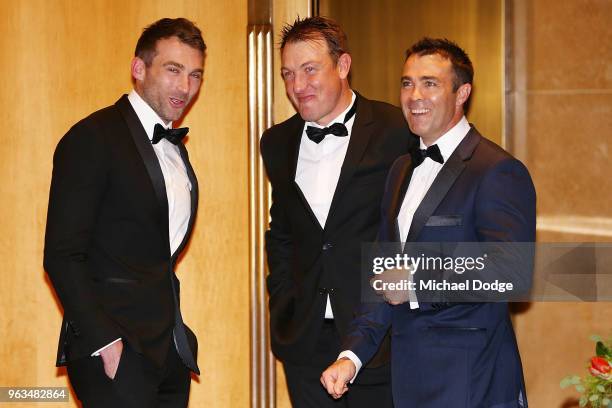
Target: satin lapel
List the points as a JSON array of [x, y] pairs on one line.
[[360, 137], [143, 144], [443, 182], [398, 192], [295, 138], [399, 188], [194, 197]]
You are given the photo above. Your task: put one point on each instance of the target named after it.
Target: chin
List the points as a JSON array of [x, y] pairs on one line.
[[306, 116]]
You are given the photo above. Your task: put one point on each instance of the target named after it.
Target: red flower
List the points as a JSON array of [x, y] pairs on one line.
[[600, 367]]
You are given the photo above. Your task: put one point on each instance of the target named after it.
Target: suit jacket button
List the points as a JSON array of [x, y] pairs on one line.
[[322, 291], [326, 246], [331, 290]]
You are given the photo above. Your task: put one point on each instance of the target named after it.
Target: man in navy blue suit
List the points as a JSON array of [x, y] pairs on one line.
[[458, 187]]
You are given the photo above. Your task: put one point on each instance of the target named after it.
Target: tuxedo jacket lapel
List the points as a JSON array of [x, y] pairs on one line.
[[295, 139], [145, 149], [360, 137], [399, 186], [194, 197], [443, 182]]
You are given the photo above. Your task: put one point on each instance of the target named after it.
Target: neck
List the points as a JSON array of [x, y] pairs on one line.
[[344, 102], [430, 140], [144, 98]]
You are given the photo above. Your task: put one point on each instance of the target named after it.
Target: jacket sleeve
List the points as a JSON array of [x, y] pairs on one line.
[[505, 223], [367, 330], [279, 243], [77, 188]]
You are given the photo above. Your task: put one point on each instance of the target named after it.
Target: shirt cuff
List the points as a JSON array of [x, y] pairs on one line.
[[353, 357], [97, 352]]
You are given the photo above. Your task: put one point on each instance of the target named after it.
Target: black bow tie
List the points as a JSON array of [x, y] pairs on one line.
[[433, 152], [337, 129], [174, 136]]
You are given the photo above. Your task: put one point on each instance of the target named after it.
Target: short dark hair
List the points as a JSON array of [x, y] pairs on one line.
[[185, 30], [313, 29], [462, 66]]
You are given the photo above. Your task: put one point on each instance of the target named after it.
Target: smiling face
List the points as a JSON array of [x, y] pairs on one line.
[[172, 80], [315, 84], [429, 103]]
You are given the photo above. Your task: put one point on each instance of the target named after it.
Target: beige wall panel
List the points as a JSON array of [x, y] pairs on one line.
[[554, 342], [571, 46], [568, 98], [65, 59], [566, 156], [380, 31]]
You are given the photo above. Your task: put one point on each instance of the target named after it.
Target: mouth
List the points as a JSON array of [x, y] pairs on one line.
[[305, 99], [177, 103], [419, 112]]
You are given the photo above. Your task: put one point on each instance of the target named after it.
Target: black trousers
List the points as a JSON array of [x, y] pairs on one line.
[[372, 387], [138, 383]]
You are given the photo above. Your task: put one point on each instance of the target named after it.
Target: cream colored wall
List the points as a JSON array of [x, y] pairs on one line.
[[564, 85], [62, 60], [379, 33]]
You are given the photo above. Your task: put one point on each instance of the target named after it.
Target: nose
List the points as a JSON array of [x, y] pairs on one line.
[[416, 93], [299, 83], [183, 83]]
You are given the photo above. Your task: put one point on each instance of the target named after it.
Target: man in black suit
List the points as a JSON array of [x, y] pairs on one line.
[[458, 188], [122, 205], [327, 165]]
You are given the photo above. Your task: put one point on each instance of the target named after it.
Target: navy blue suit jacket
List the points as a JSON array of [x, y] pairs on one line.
[[454, 355]]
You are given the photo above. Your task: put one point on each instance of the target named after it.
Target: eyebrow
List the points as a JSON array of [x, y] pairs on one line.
[[181, 66], [423, 78], [303, 65], [175, 64], [309, 63]]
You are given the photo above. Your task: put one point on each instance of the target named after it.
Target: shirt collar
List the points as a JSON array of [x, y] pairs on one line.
[[340, 117], [147, 116], [449, 141]]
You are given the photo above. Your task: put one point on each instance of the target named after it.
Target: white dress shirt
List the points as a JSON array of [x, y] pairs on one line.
[[422, 178], [318, 171], [178, 186]]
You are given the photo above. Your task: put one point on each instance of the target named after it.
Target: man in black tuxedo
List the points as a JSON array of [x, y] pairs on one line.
[[122, 206], [458, 187], [327, 165]]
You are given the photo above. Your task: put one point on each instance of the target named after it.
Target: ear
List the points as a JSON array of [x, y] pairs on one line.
[[463, 93], [138, 69], [344, 65]]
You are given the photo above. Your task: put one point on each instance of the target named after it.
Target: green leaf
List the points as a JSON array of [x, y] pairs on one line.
[[566, 382], [575, 379], [580, 388], [601, 350], [605, 402], [601, 388], [594, 397], [595, 337], [583, 401]]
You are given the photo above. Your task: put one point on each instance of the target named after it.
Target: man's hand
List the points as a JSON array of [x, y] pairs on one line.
[[388, 284], [337, 376], [110, 357]]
